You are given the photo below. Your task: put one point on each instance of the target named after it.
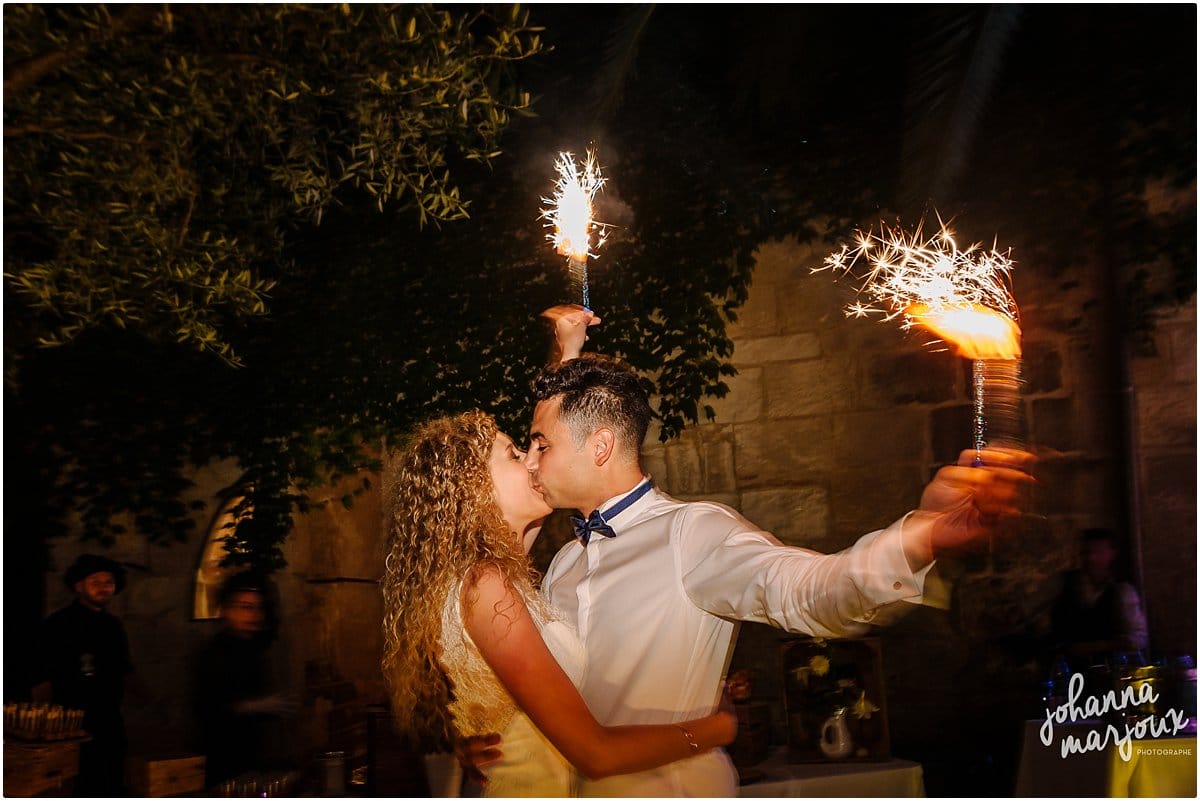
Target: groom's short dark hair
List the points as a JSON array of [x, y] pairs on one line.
[[598, 391]]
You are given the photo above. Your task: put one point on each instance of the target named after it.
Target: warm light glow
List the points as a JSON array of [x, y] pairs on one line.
[[977, 332], [961, 296], [570, 210]]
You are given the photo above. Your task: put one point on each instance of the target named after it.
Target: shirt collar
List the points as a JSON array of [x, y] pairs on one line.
[[616, 511]]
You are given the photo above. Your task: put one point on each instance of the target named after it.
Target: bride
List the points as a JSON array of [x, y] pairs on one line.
[[470, 646]]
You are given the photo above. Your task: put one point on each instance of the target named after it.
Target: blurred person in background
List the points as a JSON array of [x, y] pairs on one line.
[[234, 698], [1098, 614]]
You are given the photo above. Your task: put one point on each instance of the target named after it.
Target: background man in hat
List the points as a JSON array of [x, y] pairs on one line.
[[83, 663]]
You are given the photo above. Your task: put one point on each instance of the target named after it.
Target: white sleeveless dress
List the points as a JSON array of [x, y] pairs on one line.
[[530, 766]]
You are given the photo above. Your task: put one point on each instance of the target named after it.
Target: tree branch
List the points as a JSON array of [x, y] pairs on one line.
[[14, 131], [22, 75]]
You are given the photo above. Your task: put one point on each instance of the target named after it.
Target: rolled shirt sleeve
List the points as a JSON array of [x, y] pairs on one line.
[[732, 570]]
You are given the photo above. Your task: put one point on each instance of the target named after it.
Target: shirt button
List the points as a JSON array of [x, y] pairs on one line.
[[897, 585]]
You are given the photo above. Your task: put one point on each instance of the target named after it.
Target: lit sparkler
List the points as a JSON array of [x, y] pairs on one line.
[[962, 296], [569, 213]]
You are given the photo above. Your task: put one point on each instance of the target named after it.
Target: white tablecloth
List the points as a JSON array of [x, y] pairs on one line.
[[895, 778]]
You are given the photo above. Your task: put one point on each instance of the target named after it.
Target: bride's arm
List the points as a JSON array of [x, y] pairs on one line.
[[570, 330], [500, 624]]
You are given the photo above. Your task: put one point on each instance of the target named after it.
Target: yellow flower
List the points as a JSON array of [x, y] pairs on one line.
[[819, 665], [863, 708]]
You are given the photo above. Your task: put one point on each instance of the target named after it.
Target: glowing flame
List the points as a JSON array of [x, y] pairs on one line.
[[569, 212], [977, 332], [962, 296]]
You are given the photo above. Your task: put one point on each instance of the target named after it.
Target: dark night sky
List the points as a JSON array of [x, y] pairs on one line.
[[795, 82]]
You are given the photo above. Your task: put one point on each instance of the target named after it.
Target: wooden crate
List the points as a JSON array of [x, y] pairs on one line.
[[35, 768], [819, 675], [753, 734], [166, 776]]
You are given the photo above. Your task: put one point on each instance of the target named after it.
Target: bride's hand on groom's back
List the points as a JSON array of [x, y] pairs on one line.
[[473, 753]]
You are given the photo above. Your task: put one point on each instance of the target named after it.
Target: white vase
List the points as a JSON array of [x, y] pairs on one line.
[[836, 742]]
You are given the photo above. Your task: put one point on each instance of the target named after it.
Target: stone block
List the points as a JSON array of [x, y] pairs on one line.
[[777, 349], [951, 430], [782, 451], [776, 261], [154, 597], [1041, 368], [1053, 424], [990, 606], [343, 542], [744, 401], [654, 430], [341, 625], [1033, 546], [1183, 350], [1149, 371], [815, 302], [796, 515], [1170, 483], [654, 462], [805, 388], [916, 377], [1167, 416], [159, 641], [873, 497], [720, 476], [1077, 486], [179, 558], [685, 472], [870, 439], [757, 317]]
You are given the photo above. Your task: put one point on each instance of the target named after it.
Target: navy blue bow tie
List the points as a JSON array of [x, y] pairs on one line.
[[584, 529], [597, 523]]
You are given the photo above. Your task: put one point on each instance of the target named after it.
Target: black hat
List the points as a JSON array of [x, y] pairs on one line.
[[244, 581], [90, 563]]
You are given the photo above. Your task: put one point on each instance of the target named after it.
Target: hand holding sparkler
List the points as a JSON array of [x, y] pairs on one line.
[[571, 323], [964, 503]]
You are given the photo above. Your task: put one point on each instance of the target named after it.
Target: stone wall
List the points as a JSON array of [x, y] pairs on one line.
[[831, 428], [330, 640], [1163, 389]]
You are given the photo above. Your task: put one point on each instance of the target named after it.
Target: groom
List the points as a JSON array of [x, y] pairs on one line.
[[655, 587]]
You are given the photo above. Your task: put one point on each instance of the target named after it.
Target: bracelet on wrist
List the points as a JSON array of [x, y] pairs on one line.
[[691, 740]]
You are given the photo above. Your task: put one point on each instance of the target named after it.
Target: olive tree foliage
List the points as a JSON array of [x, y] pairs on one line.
[[157, 156], [282, 136], [159, 162]]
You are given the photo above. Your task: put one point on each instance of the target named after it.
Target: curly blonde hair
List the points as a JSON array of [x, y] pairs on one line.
[[443, 523]]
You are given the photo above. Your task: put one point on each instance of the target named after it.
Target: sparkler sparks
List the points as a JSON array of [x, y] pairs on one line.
[[569, 213], [962, 296]]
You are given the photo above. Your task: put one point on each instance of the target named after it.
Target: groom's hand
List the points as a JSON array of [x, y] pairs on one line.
[[473, 753], [965, 503]]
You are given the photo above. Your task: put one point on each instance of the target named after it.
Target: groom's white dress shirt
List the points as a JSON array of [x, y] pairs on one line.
[[657, 608]]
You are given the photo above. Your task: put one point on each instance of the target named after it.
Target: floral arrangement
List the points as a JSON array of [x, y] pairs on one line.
[[833, 692]]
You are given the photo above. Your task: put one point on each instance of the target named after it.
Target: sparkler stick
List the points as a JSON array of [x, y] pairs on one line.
[[962, 296], [569, 213]]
